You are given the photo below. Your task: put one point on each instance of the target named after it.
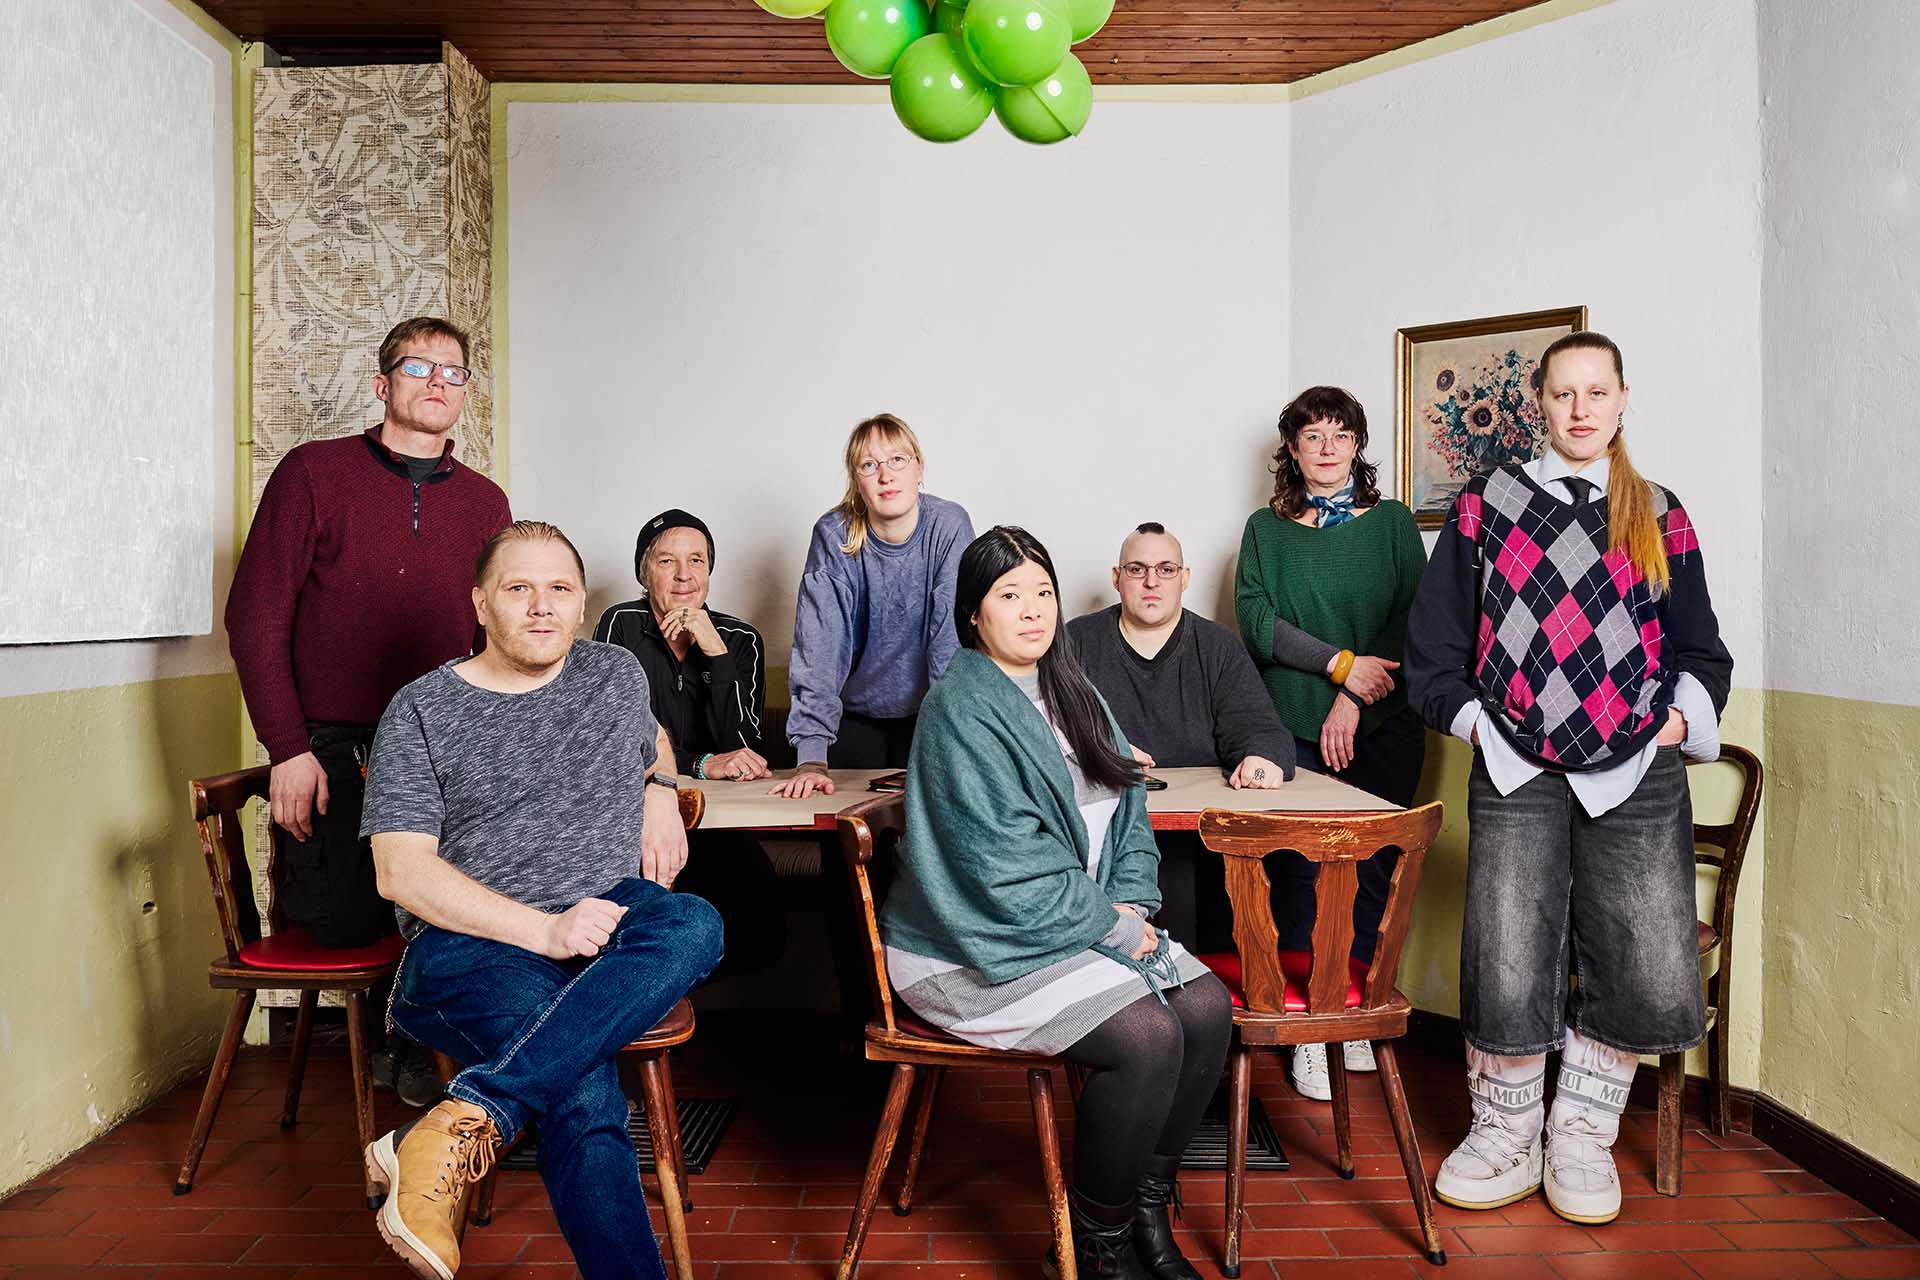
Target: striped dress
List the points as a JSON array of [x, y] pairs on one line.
[[1052, 1008]]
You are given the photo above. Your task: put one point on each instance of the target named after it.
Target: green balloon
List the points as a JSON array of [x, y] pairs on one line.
[[868, 36], [1017, 41], [948, 15], [1048, 110], [1088, 16], [792, 8], [936, 91]]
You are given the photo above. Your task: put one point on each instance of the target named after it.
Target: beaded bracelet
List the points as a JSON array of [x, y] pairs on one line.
[[1343, 666], [700, 767]]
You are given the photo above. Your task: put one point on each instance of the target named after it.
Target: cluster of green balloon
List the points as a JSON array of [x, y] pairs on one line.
[[967, 59]]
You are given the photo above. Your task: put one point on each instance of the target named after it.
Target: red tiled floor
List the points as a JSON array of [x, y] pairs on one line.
[[774, 1203]]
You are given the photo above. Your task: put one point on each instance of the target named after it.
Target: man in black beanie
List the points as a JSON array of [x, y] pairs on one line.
[[707, 680]]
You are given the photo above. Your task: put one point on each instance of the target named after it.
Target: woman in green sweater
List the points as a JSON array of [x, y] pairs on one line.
[[1327, 573], [1019, 916]]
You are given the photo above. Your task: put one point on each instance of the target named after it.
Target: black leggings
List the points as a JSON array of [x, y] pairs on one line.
[[1153, 1069]]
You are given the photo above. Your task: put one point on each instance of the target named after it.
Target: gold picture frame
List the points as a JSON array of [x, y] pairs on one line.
[[1467, 401]]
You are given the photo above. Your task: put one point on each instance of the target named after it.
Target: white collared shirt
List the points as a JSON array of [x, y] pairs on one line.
[[1598, 790]]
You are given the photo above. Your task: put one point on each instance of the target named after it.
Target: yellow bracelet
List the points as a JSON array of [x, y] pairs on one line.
[[1343, 666]]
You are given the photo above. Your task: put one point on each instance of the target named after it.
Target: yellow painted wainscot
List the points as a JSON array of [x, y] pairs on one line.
[[1841, 925], [104, 1002]]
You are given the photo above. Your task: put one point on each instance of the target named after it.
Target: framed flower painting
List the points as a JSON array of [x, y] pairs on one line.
[[1469, 401]]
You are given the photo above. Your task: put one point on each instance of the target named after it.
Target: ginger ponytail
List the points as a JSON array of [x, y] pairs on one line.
[[1632, 525]]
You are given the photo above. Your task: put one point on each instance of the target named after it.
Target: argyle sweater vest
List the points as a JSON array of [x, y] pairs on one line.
[[1571, 649]]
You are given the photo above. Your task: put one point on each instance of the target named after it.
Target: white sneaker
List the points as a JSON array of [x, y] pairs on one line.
[[1582, 1184], [1498, 1162], [1358, 1055], [1310, 1072]]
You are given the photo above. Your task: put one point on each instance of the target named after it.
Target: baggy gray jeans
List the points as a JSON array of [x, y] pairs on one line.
[[1549, 889]]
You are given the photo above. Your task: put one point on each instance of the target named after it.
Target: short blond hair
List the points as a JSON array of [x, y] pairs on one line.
[[853, 506], [524, 531]]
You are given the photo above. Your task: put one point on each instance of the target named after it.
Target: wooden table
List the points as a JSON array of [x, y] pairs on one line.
[[1191, 790], [746, 806]]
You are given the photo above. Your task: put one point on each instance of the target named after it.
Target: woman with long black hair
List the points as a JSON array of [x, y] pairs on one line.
[[1019, 919]]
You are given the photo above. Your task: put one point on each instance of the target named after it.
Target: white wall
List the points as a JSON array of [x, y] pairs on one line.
[[1610, 158], [132, 39], [1841, 315], [1842, 290], [705, 298]]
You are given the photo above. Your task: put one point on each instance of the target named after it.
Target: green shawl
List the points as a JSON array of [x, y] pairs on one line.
[[994, 876]]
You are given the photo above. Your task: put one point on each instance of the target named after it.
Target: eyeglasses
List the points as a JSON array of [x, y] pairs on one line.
[[896, 464], [415, 367], [1164, 570], [1317, 439]]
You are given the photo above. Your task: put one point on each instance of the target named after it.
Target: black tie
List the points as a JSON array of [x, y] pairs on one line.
[[1582, 490]]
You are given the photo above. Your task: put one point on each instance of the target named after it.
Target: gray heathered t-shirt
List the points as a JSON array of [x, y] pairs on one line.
[[538, 795]]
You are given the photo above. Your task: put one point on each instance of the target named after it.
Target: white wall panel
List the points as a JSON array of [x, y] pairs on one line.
[[704, 298], [114, 329]]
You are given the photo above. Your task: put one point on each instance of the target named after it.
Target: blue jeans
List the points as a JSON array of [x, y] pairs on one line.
[[1549, 887], [541, 1037]]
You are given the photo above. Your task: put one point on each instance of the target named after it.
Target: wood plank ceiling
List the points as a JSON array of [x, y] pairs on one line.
[[734, 42]]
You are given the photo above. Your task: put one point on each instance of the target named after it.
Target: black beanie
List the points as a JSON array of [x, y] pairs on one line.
[[671, 518]]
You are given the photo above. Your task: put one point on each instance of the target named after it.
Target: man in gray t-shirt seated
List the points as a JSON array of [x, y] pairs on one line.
[[515, 827]]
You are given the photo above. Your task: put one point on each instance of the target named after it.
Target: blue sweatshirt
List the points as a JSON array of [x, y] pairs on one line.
[[873, 630]]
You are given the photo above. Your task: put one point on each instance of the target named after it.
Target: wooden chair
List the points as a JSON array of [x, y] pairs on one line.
[[1723, 845], [287, 959], [1322, 997], [875, 826], [644, 1059]]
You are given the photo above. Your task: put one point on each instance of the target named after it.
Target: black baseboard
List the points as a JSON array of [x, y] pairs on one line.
[[1837, 1162], [1833, 1160]]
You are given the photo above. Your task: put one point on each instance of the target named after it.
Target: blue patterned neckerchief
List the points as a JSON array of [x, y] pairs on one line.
[[1333, 511]]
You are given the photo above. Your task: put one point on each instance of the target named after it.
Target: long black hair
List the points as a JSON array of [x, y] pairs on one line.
[[1070, 697]]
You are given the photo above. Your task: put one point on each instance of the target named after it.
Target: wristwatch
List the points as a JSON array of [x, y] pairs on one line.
[[666, 780]]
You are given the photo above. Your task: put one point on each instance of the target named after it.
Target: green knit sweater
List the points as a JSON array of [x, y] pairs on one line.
[[994, 877], [1350, 586]]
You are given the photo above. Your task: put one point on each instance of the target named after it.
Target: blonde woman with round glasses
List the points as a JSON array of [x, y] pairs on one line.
[[874, 626], [1327, 573]]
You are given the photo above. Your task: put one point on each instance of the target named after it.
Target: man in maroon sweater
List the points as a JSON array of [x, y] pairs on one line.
[[356, 579]]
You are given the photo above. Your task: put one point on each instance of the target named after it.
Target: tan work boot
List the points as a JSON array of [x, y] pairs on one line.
[[428, 1168]]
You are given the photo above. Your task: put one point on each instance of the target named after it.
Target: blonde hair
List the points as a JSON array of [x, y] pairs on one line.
[[524, 531], [853, 506], [1632, 525]]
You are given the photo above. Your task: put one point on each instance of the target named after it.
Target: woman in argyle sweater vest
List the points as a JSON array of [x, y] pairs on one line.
[[1564, 628]]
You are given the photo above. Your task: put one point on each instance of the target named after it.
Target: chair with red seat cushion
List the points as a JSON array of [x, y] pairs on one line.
[[1322, 997], [285, 959], [294, 948], [1294, 967], [910, 1044]]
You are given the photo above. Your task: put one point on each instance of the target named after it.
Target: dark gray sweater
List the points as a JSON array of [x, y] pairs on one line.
[[1199, 701]]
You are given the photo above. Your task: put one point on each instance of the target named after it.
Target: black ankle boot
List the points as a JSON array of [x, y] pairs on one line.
[[1102, 1242], [1152, 1231]]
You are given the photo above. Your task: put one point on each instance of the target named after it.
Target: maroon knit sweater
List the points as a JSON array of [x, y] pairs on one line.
[[354, 581]]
